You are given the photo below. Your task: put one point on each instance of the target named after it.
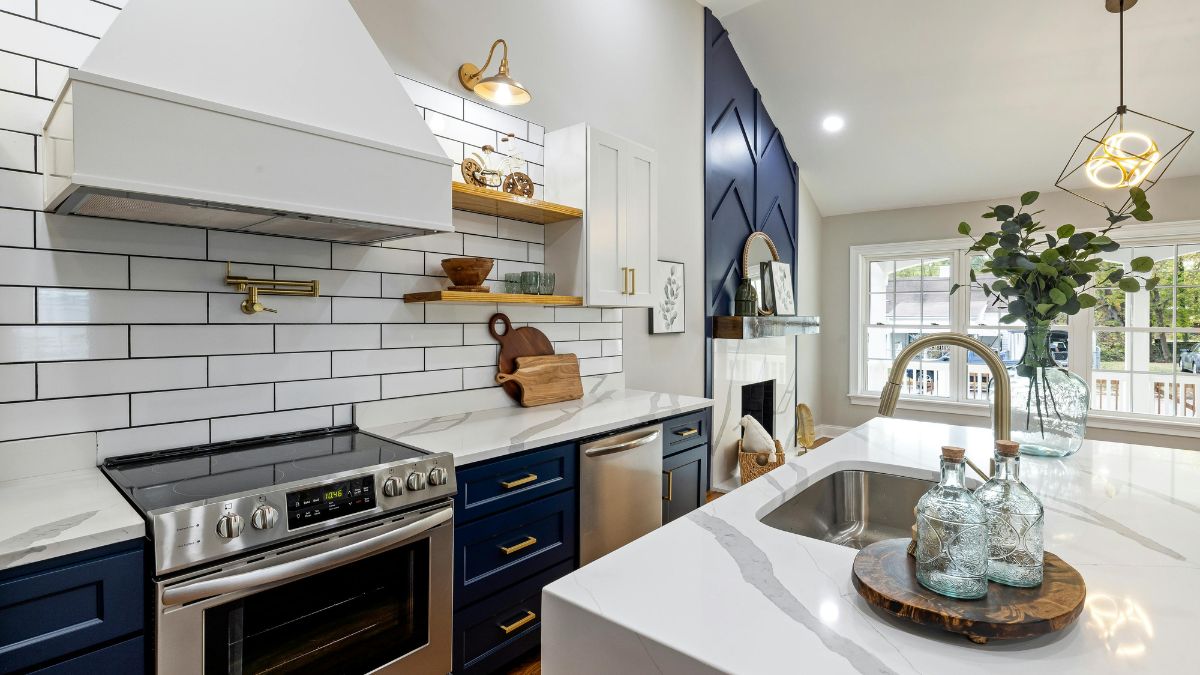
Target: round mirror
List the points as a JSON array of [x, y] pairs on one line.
[[758, 249]]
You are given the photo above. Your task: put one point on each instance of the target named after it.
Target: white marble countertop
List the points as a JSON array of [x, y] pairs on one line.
[[718, 591], [485, 434], [62, 513]]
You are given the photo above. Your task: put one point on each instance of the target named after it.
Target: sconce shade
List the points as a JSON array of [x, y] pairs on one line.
[[499, 88]]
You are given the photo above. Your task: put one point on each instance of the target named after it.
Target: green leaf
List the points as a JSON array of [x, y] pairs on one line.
[[1058, 296], [1100, 241], [1050, 255], [1078, 241], [972, 275], [1115, 275], [1004, 212], [999, 285], [1087, 301], [1138, 195], [1010, 226], [1152, 283], [954, 288], [1129, 285], [1047, 270], [1142, 264], [1017, 307], [1066, 231], [1114, 219], [987, 290], [1142, 215], [1044, 309], [1029, 197], [1010, 241], [1009, 318], [964, 228]]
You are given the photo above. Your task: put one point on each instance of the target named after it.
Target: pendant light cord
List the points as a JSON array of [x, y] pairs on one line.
[[1121, 49]]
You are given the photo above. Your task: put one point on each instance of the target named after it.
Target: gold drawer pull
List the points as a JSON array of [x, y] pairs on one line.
[[670, 485], [687, 432], [509, 550], [529, 616], [510, 484]]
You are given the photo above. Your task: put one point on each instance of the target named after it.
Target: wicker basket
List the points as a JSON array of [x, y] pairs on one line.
[[751, 469]]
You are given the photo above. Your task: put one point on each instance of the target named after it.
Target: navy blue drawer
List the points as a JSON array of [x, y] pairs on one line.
[[127, 658], [685, 431], [493, 632], [495, 552], [55, 611], [486, 488]]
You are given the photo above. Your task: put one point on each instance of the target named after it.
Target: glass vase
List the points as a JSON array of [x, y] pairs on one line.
[[1049, 403]]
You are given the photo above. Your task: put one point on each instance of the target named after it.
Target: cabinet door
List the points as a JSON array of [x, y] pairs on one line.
[[640, 174], [606, 278], [685, 479]]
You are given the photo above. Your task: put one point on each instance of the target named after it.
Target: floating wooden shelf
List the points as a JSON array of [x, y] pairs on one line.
[[496, 203], [506, 298], [750, 327]]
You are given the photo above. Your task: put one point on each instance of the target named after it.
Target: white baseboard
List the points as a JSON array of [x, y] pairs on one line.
[[829, 430]]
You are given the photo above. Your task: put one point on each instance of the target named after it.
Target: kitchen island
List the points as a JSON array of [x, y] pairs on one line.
[[719, 591]]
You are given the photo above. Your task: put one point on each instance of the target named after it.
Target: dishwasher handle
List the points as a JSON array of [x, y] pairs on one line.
[[622, 447]]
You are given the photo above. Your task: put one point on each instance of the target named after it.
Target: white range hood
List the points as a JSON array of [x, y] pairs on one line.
[[269, 116]]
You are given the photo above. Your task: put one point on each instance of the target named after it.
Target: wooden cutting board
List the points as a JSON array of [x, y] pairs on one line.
[[524, 341], [545, 379]]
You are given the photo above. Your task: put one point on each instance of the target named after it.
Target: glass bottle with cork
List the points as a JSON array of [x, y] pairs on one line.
[[1015, 517], [952, 535]]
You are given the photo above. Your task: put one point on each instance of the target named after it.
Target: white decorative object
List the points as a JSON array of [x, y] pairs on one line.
[[783, 301], [755, 437], [666, 316]]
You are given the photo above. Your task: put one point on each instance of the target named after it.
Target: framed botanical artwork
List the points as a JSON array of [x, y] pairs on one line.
[[778, 276], [666, 314]]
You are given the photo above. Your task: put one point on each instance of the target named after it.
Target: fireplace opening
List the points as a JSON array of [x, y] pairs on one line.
[[758, 401]]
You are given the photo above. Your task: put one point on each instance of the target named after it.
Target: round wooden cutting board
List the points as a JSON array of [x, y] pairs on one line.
[[886, 576]]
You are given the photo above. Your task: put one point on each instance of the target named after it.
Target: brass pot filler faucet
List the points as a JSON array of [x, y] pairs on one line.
[[256, 287]]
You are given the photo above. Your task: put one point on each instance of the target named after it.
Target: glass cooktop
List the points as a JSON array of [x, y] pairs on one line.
[[169, 478]]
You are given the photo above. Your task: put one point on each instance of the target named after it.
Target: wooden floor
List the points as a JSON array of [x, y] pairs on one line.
[[531, 664]]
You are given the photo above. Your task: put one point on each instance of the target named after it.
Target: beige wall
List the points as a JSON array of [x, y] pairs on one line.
[[630, 67], [1172, 200]]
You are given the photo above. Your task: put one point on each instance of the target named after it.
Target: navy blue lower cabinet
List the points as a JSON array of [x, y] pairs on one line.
[[127, 658], [491, 487], [57, 611], [685, 482]]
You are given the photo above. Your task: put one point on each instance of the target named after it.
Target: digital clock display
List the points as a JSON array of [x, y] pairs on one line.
[[332, 500]]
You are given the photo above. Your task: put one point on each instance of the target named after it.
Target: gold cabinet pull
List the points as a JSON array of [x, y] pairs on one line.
[[624, 281], [633, 271], [670, 485], [509, 550], [529, 616], [510, 484], [687, 432]]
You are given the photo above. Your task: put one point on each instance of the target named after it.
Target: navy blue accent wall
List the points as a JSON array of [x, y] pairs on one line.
[[750, 179]]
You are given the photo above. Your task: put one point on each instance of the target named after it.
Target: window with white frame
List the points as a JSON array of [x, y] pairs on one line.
[[1139, 352]]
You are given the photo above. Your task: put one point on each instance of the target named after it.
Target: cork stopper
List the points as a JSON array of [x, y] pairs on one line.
[[952, 453], [1008, 448]]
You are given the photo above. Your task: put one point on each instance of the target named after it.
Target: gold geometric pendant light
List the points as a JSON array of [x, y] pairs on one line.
[[1126, 149]]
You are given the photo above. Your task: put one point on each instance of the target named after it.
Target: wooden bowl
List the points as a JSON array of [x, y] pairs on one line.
[[469, 272]]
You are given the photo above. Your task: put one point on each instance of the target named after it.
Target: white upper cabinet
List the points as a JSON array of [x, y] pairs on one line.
[[608, 256]]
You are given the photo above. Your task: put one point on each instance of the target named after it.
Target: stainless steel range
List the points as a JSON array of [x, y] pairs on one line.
[[327, 551]]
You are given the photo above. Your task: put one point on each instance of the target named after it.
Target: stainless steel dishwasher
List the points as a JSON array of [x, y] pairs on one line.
[[620, 498]]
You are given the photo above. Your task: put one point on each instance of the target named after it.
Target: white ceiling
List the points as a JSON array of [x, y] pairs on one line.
[[948, 101]]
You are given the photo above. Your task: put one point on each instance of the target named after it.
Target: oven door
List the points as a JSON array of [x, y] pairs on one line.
[[375, 598]]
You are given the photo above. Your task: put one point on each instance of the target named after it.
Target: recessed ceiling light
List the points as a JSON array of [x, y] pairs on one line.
[[833, 123]]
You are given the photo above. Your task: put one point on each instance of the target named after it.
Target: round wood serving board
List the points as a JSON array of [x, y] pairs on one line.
[[886, 576]]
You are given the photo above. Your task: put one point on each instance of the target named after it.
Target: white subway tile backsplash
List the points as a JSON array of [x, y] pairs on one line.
[[88, 378], [467, 222], [18, 189], [191, 404], [377, 259], [584, 349], [26, 267], [16, 150], [396, 285], [537, 253], [527, 313], [84, 16], [76, 305], [529, 151], [433, 265], [50, 79], [42, 41], [477, 334], [422, 335], [450, 243], [343, 414], [249, 426], [479, 378], [441, 358], [63, 416], [23, 7], [376, 310], [257, 248], [17, 382], [415, 384], [495, 248], [509, 266], [147, 439], [254, 368], [599, 331], [458, 130], [47, 456], [515, 229], [335, 282], [318, 338], [16, 227], [611, 315], [433, 98], [62, 343], [609, 364], [16, 304], [494, 119], [377, 362], [166, 274], [537, 134], [558, 332], [580, 314], [227, 308], [326, 392], [453, 149], [100, 235], [435, 313], [611, 347], [199, 340]]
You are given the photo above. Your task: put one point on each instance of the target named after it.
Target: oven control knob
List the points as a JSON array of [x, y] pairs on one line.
[[229, 526], [416, 481], [264, 517], [438, 476], [392, 487]]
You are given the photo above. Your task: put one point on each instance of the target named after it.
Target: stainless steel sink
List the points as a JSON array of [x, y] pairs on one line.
[[852, 508]]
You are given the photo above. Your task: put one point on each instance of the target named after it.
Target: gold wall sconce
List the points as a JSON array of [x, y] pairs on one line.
[[256, 287], [499, 88]]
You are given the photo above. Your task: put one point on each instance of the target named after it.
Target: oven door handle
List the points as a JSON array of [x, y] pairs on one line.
[[305, 566]]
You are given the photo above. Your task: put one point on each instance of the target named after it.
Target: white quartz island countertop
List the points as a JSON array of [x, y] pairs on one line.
[[485, 434], [718, 591], [62, 513]]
